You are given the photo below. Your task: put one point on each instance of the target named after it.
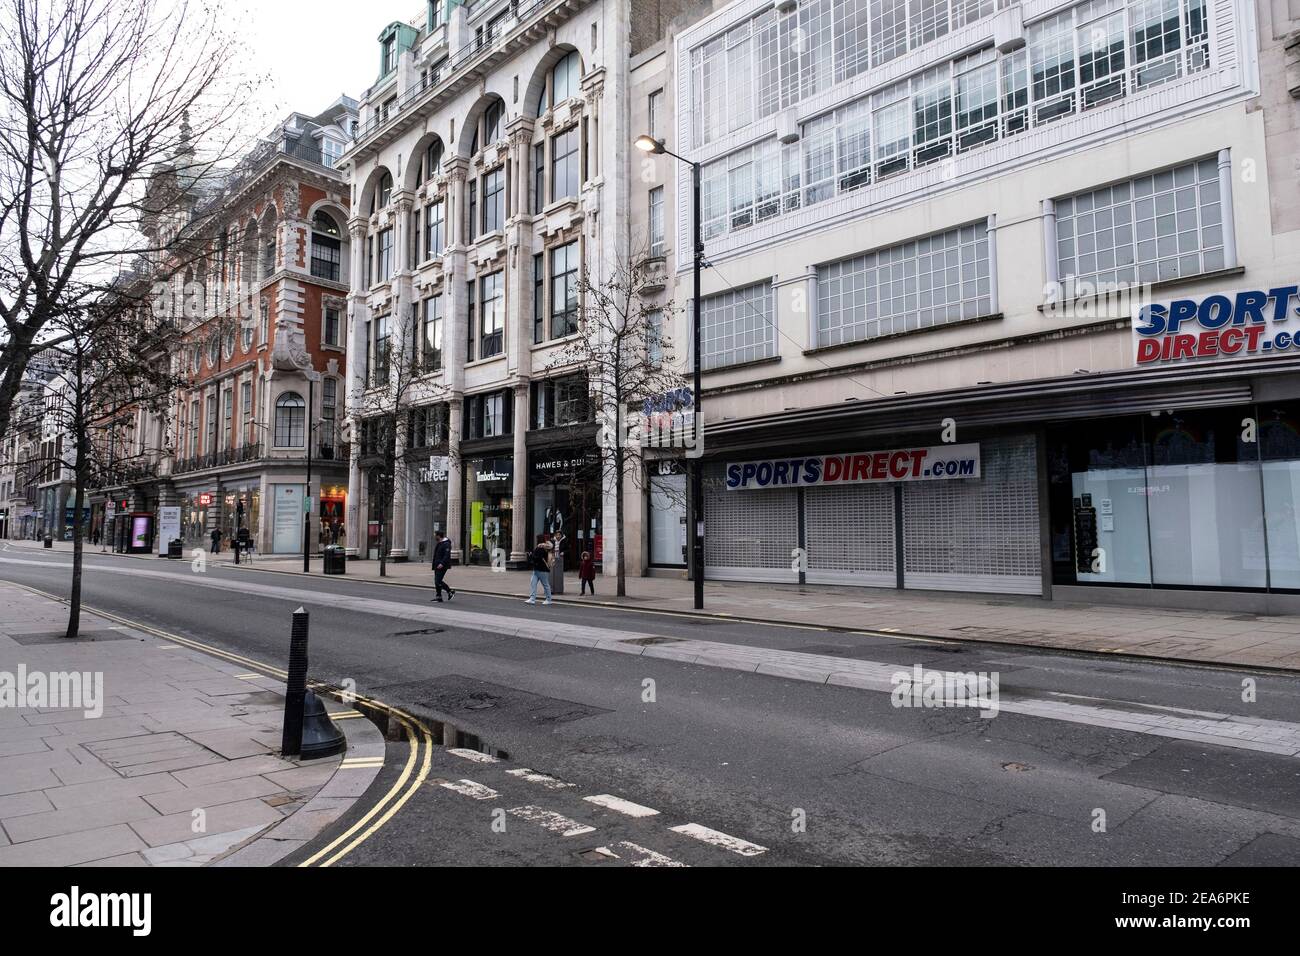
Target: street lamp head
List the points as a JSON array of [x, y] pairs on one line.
[[648, 144]]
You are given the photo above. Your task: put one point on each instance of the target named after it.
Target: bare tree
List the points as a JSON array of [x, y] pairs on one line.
[[399, 380], [94, 96], [112, 358], [628, 361]]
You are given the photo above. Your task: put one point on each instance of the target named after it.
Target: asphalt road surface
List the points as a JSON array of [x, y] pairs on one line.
[[559, 753]]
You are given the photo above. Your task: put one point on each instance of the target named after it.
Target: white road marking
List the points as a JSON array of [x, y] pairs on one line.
[[532, 776], [1245, 733], [626, 807], [550, 820], [473, 755], [719, 839], [470, 788], [644, 856]]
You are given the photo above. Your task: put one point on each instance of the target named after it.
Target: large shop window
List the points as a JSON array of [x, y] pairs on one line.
[[915, 285], [1072, 62], [1178, 499], [1165, 225], [738, 326]]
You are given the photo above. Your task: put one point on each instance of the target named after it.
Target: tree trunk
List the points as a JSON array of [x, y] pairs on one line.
[[621, 589], [384, 496], [78, 492]]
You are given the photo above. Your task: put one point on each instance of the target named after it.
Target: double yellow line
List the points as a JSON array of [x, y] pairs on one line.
[[419, 740]]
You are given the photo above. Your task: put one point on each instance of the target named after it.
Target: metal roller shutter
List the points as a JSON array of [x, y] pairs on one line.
[[977, 534], [748, 534], [849, 530]]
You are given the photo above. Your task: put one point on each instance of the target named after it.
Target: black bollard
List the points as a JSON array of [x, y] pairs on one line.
[[296, 686]]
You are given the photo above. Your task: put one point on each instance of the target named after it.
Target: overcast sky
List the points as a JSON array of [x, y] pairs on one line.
[[316, 50]]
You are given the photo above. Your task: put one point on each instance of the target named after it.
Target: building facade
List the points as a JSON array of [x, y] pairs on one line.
[[488, 172], [929, 226], [260, 302]]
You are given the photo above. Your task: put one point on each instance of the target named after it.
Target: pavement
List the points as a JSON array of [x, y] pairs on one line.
[[160, 755], [1212, 637], [629, 736]]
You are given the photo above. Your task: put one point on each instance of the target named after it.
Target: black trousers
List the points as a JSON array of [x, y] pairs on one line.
[[439, 581], [586, 583]]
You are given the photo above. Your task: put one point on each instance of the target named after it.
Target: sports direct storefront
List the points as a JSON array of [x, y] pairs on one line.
[[947, 517]]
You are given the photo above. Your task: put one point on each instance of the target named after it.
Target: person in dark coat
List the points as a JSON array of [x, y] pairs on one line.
[[216, 540], [587, 573], [441, 564]]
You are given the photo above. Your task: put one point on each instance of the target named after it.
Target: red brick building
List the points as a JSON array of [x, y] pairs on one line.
[[262, 303]]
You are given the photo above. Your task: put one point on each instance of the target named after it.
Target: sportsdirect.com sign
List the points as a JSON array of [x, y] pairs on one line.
[[1251, 322], [900, 464]]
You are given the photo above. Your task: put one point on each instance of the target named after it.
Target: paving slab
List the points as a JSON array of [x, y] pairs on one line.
[[179, 733]]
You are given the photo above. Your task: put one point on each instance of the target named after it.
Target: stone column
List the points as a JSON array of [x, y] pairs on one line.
[[519, 509], [357, 312], [399, 549], [455, 483]]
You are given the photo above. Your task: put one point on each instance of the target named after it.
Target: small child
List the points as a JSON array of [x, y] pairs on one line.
[[587, 573]]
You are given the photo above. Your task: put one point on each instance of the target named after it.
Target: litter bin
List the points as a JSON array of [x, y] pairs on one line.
[[175, 548], [557, 574], [336, 560], [49, 542]]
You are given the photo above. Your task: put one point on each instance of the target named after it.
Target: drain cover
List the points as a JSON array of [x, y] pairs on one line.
[[647, 641]]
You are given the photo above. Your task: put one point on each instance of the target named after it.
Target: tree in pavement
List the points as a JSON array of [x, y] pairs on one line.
[[620, 345], [400, 385], [94, 94], [114, 359]]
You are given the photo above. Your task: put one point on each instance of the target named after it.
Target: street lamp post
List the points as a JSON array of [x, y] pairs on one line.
[[306, 509], [650, 144]]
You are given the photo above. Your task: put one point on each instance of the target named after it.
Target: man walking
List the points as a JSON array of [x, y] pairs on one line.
[[216, 540], [540, 559], [441, 563]]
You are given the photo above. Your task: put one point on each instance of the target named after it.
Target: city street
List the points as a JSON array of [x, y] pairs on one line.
[[702, 742]]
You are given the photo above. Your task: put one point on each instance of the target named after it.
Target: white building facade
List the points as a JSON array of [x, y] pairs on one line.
[[487, 171], [910, 208]]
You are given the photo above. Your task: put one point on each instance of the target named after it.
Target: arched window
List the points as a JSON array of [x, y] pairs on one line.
[[491, 126], [383, 193], [564, 78], [326, 248], [290, 420], [268, 248], [431, 163]]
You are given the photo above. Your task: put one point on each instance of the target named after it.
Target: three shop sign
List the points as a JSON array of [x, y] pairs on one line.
[[1249, 322], [436, 470], [899, 464]]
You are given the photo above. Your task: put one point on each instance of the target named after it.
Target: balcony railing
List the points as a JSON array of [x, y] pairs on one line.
[[454, 65], [223, 456]]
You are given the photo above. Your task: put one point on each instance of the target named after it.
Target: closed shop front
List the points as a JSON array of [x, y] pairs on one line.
[[967, 515]]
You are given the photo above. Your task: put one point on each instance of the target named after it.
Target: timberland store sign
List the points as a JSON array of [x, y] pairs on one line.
[[1250, 322], [899, 464]]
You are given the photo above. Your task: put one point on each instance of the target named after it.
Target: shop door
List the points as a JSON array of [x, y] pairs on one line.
[[749, 534], [977, 534], [849, 534]]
